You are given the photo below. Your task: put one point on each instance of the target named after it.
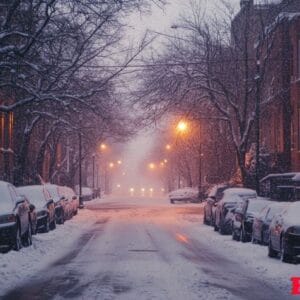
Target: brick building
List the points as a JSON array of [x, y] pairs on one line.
[[278, 21]]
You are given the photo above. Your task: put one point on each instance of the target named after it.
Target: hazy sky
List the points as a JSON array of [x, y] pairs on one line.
[[159, 20]]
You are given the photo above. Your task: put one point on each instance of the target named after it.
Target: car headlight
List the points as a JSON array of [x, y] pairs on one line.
[[11, 218]]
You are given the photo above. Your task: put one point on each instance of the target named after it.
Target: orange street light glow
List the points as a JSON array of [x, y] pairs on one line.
[[168, 147], [103, 147], [182, 126], [152, 166], [119, 162], [111, 165]]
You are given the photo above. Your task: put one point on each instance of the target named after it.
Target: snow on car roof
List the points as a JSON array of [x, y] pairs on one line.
[[293, 212], [239, 191], [6, 202], [296, 177], [279, 175], [36, 194], [53, 190]]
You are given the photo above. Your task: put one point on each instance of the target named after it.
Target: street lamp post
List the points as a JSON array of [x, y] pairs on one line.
[[80, 165], [257, 124], [93, 184]]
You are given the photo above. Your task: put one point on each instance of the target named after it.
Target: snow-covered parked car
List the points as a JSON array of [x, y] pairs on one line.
[[243, 217], [15, 225], [86, 192], [261, 223], [214, 196], [285, 233], [72, 198], [226, 206], [184, 194], [44, 205], [62, 207]]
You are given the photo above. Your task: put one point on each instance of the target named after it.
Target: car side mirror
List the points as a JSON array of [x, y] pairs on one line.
[[31, 207], [20, 200]]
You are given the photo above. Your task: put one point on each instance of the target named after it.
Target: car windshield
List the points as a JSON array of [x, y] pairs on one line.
[[230, 205], [275, 209], [53, 191], [256, 206], [34, 195], [5, 199], [293, 212]]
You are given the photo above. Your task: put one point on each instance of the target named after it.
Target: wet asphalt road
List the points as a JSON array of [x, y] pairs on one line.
[[137, 252]]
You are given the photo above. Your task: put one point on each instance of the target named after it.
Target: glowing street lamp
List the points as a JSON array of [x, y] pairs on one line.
[[111, 165], [131, 191], [168, 147], [151, 166], [103, 147], [119, 162], [182, 126]]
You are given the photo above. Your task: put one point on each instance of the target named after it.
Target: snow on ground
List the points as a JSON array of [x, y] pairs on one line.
[[252, 256], [153, 249], [47, 248]]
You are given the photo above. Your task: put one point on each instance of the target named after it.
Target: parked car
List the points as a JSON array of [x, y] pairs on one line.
[[63, 209], [225, 207], [87, 193], [186, 194], [44, 206], [15, 224], [32, 215], [213, 198], [72, 198], [243, 217], [285, 233], [261, 223]]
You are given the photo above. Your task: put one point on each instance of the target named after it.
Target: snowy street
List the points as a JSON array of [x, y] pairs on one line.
[[144, 249]]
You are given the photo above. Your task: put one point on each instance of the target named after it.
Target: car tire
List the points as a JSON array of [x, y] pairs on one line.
[[216, 228], [27, 239], [271, 251], [172, 201], [222, 230], [75, 212], [283, 255], [52, 225], [47, 225], [205, 222], [235, 237], [17, 244], [243, 237]]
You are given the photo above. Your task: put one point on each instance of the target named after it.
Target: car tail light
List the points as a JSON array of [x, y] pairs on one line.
[[7, 219]]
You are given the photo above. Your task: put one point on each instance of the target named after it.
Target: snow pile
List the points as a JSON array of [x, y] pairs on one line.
[[47, 248]]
